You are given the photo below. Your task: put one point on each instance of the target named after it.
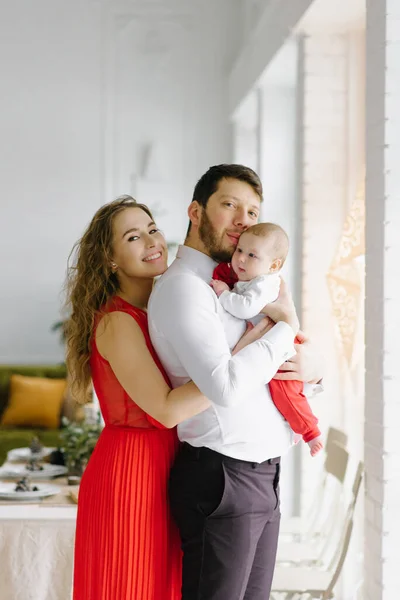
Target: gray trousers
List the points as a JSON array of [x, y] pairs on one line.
[[227, 511]]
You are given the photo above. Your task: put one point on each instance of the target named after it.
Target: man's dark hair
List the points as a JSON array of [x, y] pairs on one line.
[[208, 183]]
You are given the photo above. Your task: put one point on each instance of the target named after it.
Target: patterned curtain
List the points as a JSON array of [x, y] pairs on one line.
[[346, 277]]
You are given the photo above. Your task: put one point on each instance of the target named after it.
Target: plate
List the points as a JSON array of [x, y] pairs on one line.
[[18, 471], [7, 492], [26, 454]]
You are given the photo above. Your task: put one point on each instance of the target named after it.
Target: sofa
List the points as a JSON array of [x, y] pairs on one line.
[[15, 437]]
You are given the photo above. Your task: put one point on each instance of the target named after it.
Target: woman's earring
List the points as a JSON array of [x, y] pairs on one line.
[[114, 267]]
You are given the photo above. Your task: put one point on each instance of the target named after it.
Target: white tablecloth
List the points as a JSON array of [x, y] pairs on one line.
[[36, 551]]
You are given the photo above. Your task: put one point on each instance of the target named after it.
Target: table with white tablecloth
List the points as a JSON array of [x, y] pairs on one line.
[[37, 548]]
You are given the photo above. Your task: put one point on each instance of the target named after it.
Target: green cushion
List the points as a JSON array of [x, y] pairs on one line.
[[21, 438], [52, 371]]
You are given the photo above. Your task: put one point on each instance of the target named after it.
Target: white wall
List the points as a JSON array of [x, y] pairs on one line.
[[267, 25], [324, 212], [279, 172], [50, 158], [246, 132], [85, 87], [382, 381], [172, 102]]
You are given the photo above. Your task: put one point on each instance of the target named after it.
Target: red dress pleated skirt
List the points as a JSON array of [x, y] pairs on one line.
[[127, 546]]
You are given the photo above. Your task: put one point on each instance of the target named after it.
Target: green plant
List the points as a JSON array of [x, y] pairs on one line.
[[79, 440], [61, 328]]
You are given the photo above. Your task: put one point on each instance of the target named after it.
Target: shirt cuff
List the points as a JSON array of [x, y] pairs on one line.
[[312, 389], [282, 337]]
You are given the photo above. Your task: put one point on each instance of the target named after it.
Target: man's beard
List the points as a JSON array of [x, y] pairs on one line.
[[213, 245]]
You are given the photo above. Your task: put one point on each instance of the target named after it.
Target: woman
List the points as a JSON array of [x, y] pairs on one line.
[[126, 545]]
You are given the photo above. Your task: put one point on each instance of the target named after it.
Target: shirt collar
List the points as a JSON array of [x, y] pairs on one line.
[[198, 262]]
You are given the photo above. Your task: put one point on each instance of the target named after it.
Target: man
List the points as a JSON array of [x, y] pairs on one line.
[[224, 484]]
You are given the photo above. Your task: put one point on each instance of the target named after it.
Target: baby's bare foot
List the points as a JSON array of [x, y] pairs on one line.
[[316, 446]]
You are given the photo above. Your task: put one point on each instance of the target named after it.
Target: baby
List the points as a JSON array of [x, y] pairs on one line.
[[259, 256]]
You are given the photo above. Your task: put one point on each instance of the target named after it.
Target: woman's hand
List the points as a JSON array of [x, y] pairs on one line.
[[283, 309], [252, 334]]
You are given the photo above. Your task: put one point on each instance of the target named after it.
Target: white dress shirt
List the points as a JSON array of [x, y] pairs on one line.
[[248, 298], [193, 336]]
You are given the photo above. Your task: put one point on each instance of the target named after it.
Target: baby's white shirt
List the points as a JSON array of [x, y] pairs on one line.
[[248, 298]]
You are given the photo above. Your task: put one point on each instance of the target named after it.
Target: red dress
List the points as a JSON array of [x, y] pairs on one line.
[[126, 547]]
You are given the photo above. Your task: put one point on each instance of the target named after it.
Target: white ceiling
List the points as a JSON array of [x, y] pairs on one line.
[[332, 16], [323, 16], [282, 70]]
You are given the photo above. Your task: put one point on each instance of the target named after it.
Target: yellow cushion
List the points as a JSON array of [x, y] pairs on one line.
[[34, 402]]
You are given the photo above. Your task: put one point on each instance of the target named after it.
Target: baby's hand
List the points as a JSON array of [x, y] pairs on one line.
[[219, 286]]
